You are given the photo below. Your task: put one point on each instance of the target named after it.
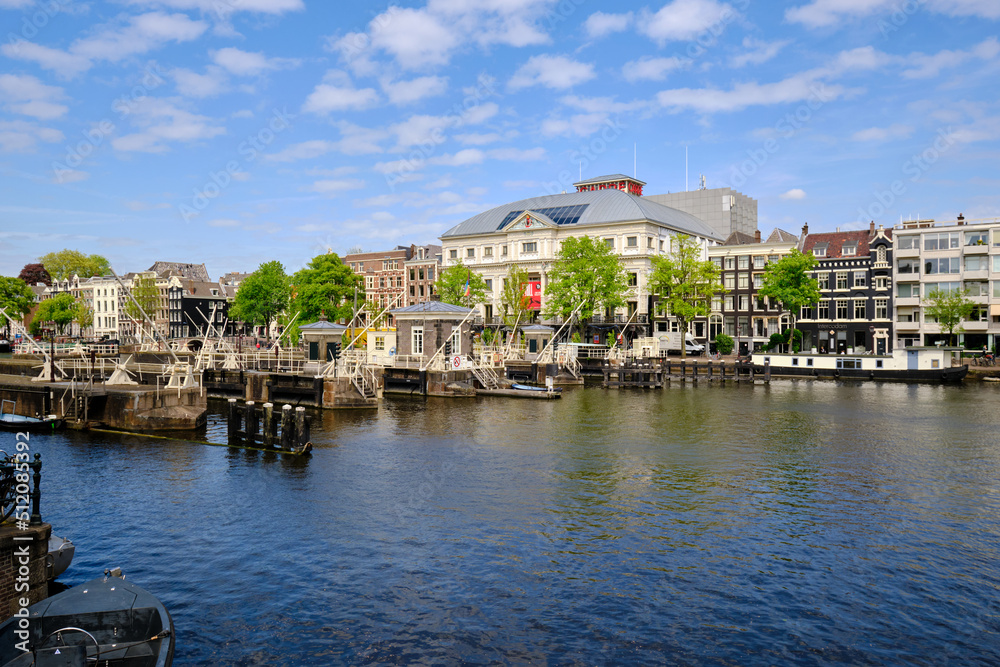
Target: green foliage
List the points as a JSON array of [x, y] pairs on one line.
[[586, 271], [84, 316], [376, 318], [789, 282], [488, 336], [15, 297], [32, 274], [262, 295], [327, 285], [576, 337], [67, 263], [724, 344], [451, 286], [144, 292], [60, 310], [513, 302], [782, 338], [776, 340], [949, 308], [685, 283]]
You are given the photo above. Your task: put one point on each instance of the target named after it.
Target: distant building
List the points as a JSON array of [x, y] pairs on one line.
[[421, 271], [723, 209], [189, 271], [194, 304], [384, 273]]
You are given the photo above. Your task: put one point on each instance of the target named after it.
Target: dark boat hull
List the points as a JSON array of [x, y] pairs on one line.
[[30, 424], [953, 374], [525, 387]]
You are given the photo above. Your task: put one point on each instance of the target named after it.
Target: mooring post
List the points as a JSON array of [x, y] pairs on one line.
[[710, 371], [287, 427], [268, 424], [767, 372], [300, 426], [683, 370], [695, 369], [36, 492], [252, 424], [234, 423]]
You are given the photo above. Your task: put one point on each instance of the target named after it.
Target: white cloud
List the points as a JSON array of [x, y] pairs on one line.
[[191, 84], [414, 90], [223, 222], [415, 37], [332, 187], [684, 20], [303, 151], [652, 69], [794, 193], [20, 136], [15, 4], [247, 63], [517, 154], [63, 63], [883, 133], [161, 122], [26, 95], [758, 52], [474, 139], [339, 94], [826, 13], [580, 125], [927, 66], [225, 7], [460, 159], [558, 72], [600, 24]]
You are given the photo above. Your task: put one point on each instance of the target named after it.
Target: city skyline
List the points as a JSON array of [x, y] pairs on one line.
[[232, 132]]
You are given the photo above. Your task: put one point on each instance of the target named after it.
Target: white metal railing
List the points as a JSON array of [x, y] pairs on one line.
[[486, 375]]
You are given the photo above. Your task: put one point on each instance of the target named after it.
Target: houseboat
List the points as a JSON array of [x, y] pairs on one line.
[[914, 364]]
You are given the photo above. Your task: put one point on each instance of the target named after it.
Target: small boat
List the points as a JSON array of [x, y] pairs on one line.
[[61, 551], [11, 422], [525, 387], [5, 347], [106, 621], [911, 364]]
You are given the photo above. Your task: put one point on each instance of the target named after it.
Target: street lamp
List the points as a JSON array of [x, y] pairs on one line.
[[833, 342]]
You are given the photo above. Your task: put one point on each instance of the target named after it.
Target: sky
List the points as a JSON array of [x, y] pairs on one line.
[[235, 132]]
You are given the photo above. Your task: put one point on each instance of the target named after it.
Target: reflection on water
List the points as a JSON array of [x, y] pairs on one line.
[[805, 522]]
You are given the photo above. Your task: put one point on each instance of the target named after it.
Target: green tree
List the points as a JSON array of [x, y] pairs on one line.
[[144, 292], [789, 281], [724, 344], [586, 271], [685, 283], [84, 316], [60, 310], [327, 285], [513, 302], [32, 274], [452, 282], [262, 295], [949, 308], [16, 298], [67, 263]]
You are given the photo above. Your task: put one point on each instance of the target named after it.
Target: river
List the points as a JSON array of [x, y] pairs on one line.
[[803, 522]]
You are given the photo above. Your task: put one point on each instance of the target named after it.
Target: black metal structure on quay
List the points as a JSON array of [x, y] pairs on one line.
[[656, 373]]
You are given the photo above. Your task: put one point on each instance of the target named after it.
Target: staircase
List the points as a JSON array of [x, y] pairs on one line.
[[486, 376]]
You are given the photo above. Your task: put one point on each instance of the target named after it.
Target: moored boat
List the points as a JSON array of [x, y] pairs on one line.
[[61, 551], [106, 621], [913, 364], [525, 387]]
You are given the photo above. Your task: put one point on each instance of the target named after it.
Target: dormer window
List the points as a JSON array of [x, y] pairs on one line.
[[850, 249], [819, 250]]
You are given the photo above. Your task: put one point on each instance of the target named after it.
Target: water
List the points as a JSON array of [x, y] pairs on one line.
[[804, 522]]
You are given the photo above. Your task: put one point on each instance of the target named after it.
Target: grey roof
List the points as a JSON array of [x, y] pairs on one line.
[[192, 271], [537, 328], [323, 325], [610, 177], [781, 236], [740, 238], [601, 207], [432, 307]]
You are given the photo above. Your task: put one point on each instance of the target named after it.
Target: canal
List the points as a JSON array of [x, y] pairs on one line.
[[800, 522]]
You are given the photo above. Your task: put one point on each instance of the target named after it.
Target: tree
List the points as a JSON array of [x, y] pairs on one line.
[[67, 263], [60, 310], [949, 308], [32, 274], [16, 298], [513, 302], [586, 271], [789, 282], [460, 286], [84, 316], [144, 292], [327, 285], [262, 295], [685, 283]]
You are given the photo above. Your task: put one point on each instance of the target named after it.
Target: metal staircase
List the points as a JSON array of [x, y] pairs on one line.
[[486, 375]]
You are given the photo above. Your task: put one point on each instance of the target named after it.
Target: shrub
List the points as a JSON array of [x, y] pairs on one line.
[[776, 340], [576, 337], [724, 344]]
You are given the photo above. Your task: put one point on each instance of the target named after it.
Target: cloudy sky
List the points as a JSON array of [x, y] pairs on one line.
[[233, 132]]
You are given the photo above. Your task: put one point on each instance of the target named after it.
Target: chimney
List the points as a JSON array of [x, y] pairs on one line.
[[961, 219], [756, 236], [435, 297], [805, 229], [871, 227]]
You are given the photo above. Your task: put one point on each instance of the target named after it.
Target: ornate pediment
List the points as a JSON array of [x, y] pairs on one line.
[[528, 221]]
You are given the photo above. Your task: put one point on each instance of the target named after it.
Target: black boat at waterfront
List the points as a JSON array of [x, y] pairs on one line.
[[12, 422], [913, 364], [106, 621]]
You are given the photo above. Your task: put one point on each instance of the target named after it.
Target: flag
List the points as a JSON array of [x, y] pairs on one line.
[[468, 290]]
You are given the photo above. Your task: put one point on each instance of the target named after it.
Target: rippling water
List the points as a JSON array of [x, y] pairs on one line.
[[801, 522]]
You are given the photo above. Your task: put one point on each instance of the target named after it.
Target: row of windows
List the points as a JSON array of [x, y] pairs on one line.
[[742, 262], [528, 247], [417, 340], [845, 309], [419, 274], [948, 265], [947, 240]]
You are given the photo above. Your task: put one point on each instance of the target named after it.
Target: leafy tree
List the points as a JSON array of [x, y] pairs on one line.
[[451, 285], [724, 343], [586, 271], [66, 263], [32, 274], [144, 292], [789, 282], [16, 298], [60, 310], [949, 308], [84, 316], [685, 283], [513, 302], [262, 295], [327, 285]]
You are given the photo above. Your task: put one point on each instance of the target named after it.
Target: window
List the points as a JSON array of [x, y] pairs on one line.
[[744, 302], [413, 274], [941, 265], [730, 281], [731, 300], [976, 238], [943, 287], [908, 266], [772, 258], [881, 283], [453, 254], [941, 241], [716, 304], [489, 284], [744, 281], [456, 340], [819, 250], [488, 251], [718, 262], [760, 303], [842, 309], [633, 280], [859, 279], [632, 242], [744, 262], [977, 288], [649, 242], [470, 253], [758, 280], [841, 279], [976, 263], [379, 343], [730, 263], [824, 281], [908, 290], [611, 243], [417, 340], [860, 309], [823, 310], [849, 249], [907, 242], [881, 309], [759, 261], [503, 250], [996, 289], [529, 246]]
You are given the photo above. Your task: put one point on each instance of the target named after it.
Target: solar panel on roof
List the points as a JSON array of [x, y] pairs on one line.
[[564, 215]]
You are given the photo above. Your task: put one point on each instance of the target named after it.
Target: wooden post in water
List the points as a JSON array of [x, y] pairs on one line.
[[683, 370], [234, 423], [268, 425], [287, 427], [252, 421], [695, 369], [300, 426], [767, 372]]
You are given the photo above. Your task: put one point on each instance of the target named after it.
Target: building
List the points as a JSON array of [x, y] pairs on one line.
[[723, 209], [855, 279], [193, 304], [529, 233], [740, 312], [384, 273], [963, 255], [421, 272]]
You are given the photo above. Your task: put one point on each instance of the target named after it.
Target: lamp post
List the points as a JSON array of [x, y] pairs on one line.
[[833, 342]]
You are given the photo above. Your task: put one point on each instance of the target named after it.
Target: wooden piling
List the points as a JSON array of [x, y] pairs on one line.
[[287, 427], [234, 423], [269, 425], [301, 436], [253, 424]]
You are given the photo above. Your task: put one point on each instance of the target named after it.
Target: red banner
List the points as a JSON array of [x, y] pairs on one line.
[[533, 295]]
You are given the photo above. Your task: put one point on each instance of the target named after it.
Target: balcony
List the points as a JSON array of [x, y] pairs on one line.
[[975, 249], [906, 253], [902, 302], [912, 325], [975, 326]]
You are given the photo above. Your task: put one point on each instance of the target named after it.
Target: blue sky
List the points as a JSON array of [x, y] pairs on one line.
[[233, 132]]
